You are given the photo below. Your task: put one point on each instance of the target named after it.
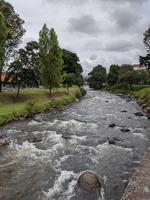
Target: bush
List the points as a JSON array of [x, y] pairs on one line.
[[30, 108]]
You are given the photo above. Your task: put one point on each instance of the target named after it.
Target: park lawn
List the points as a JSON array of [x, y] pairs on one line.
[[33, 101]]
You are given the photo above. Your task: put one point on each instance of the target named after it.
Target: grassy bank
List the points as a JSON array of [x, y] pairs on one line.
[[33, 101], [143, 93]]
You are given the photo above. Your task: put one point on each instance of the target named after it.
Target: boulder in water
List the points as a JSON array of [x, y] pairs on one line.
[[139, 114], [89, 181], [113, 140], [112, 125], [4, 142], [125, 130], [123, 111]]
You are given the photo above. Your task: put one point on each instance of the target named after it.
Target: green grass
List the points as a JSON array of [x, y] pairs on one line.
[[144, 95], [31, 101], [142, 92]]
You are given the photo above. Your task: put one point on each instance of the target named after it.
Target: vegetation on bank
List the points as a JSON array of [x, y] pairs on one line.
[[139, 91], [32, 101]]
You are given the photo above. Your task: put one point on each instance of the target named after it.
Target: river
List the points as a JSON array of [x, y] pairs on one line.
[[70, 141]]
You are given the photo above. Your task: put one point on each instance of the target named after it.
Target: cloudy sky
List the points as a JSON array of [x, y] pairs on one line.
[[99, 31]]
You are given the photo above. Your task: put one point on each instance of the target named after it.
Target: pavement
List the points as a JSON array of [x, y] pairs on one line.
[[139, 185]]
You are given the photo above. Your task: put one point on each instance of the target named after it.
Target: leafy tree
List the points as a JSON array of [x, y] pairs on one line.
[[113, 75], [145, 60], [147, 39], [68, 80], [14, 28], [2, 46], [72, 65], [97, 77], [130, 77], [51, 61], [24, 70]]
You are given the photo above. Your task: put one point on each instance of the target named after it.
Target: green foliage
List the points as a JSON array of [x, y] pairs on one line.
[[145, 60], [2, 45], [24, 70], [30, 108], [131, 77], [51, 61], [72, 66], [68, 80], [14, 28], [97, 77], [113, 75], [147, 39]]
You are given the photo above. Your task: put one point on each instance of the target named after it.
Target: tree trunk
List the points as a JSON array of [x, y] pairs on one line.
[[68, 90], [131, 87], [0, 82], [50, 91], [18, 91]]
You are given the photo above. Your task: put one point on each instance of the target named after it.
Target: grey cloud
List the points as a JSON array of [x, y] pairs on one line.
[[119, 46], [93, 57], [126, 18], [84, 24], [93, 45]]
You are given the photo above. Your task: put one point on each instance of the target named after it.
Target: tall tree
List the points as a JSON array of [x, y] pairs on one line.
[[51, 61], [97, 77], [2, 46], [24, 70], [14, 28], [72, 65], [147, 39], [113, 74]]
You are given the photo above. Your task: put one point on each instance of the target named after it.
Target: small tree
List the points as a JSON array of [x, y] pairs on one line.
[[2, 46], [24, 70], [97, 77], [68, 80], [113, 74], [51, 61], [130, 78]]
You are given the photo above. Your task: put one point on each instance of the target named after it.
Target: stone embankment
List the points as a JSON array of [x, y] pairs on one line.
[[139, 185]]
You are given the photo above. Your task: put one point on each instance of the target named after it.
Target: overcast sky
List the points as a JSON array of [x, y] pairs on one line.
[[99, 31]]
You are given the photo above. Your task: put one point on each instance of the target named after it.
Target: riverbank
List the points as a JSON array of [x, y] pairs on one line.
[[32, 101], [139, 186], [141, 93]]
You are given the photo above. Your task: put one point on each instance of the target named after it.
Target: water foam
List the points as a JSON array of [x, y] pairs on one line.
[[66, 177]]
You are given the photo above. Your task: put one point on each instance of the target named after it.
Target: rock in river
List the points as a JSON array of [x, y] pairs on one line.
[[89, 181], [4, 142], [139, 114], [112, 125], [125, 130]]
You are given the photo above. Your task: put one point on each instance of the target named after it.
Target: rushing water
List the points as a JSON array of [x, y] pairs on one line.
[[71, 141]]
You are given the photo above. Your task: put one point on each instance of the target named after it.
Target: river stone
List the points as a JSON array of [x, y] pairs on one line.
[[139, 114], [112, 125], [89, 181], [125, 130], [4, 142]]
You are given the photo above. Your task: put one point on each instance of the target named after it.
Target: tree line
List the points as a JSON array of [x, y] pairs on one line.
[[123, 76], [41, 62]]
